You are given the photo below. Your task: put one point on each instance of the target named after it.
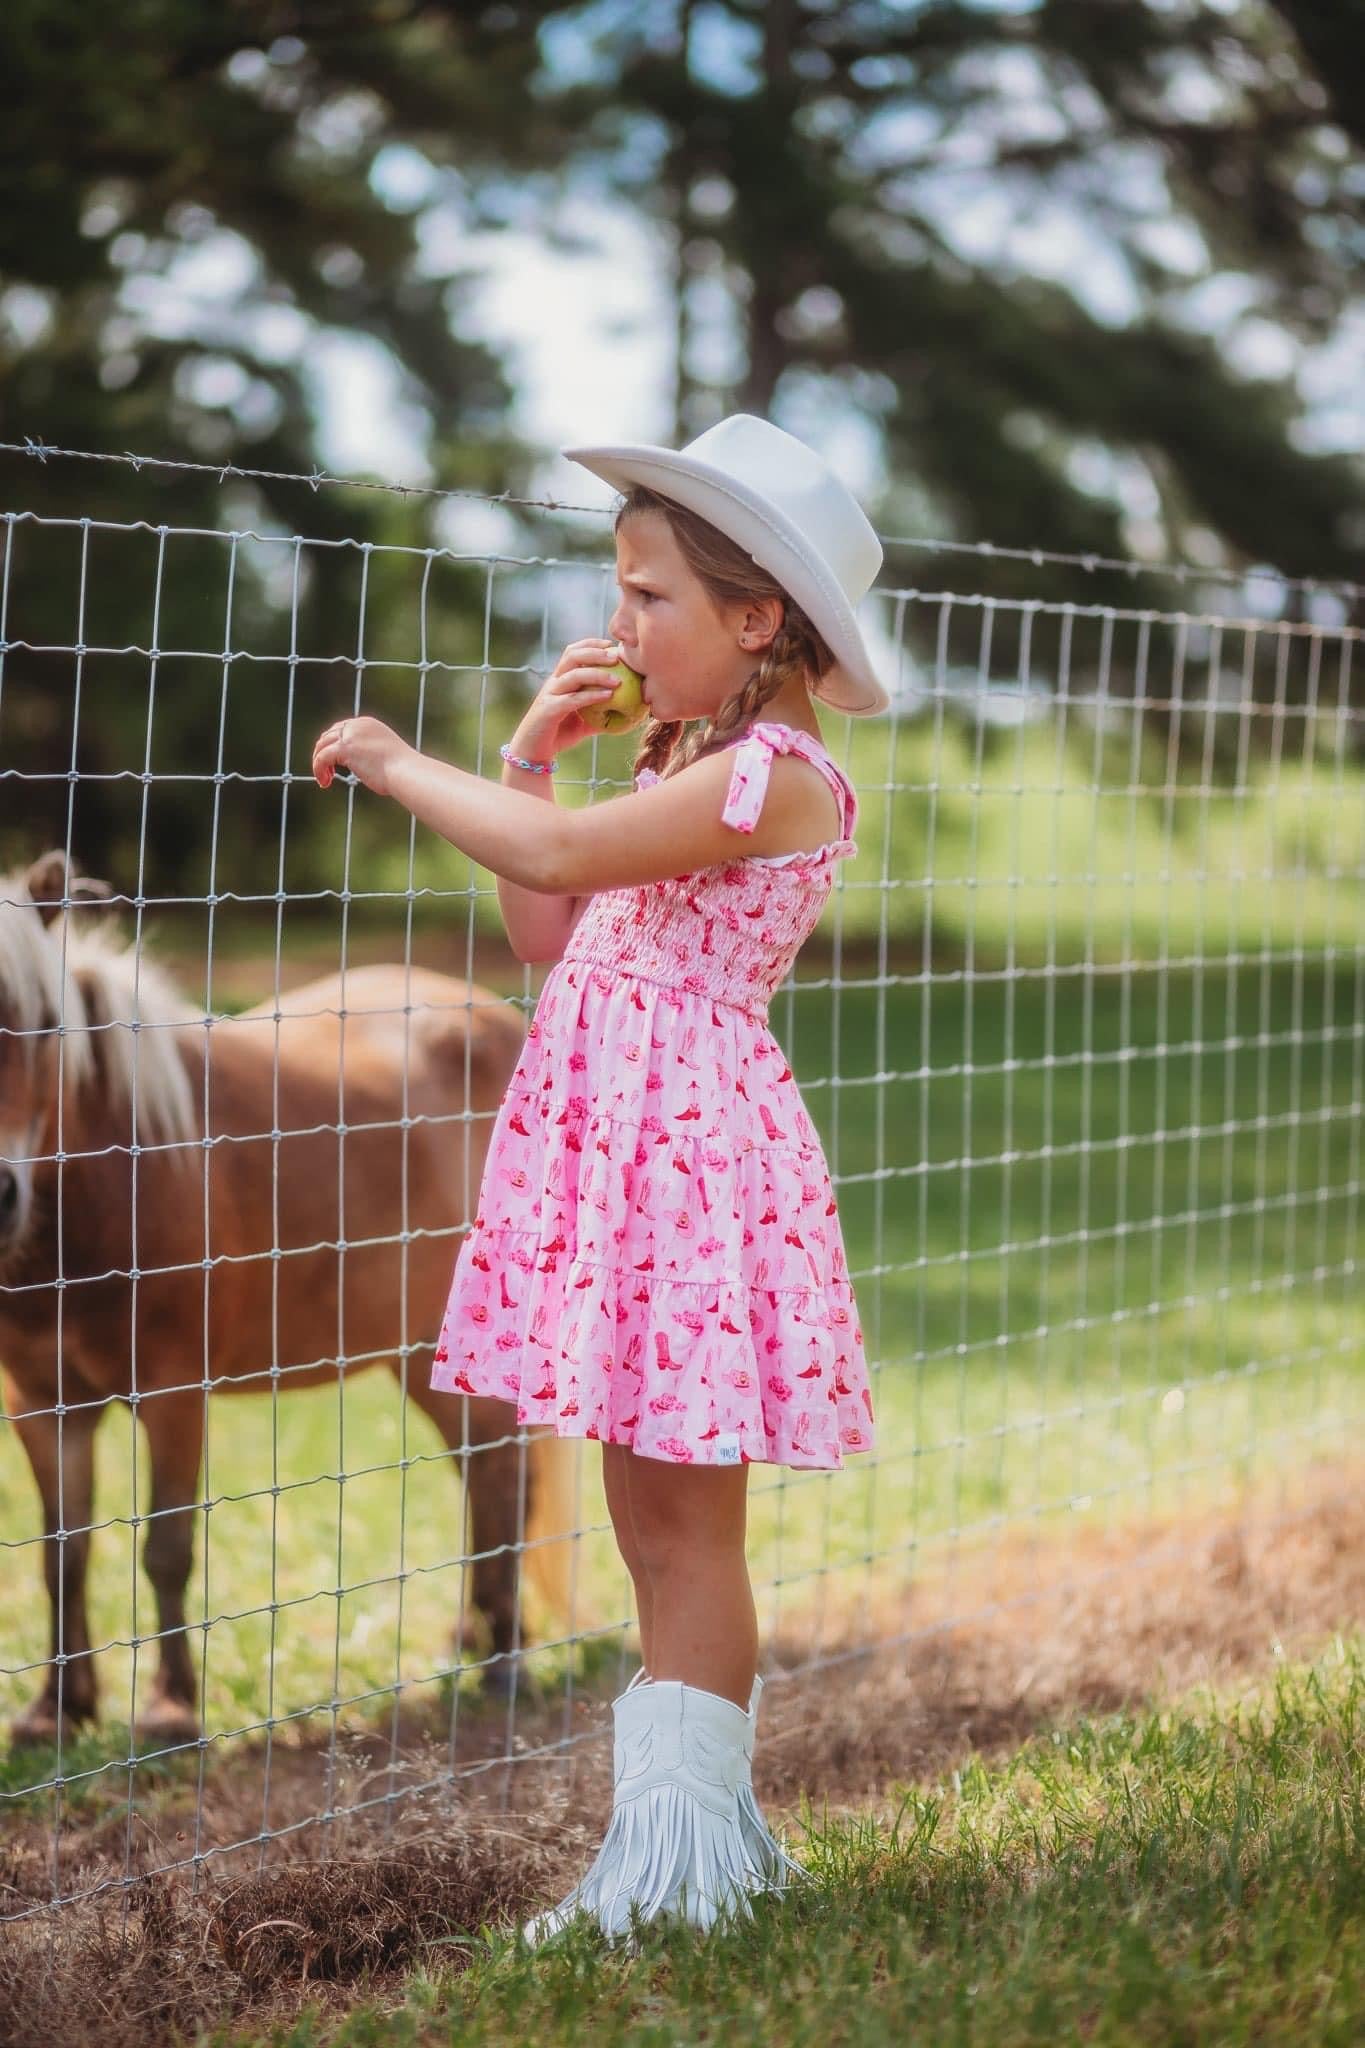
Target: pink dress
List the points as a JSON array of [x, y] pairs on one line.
[[656, 1258]]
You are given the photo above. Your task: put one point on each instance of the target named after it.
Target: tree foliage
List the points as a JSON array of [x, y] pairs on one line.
[[838, 180], [195, 197], [1032, 244], [1067, 255]]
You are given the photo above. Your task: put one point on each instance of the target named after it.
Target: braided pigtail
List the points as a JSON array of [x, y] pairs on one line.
[[661, 736], [781, 660]]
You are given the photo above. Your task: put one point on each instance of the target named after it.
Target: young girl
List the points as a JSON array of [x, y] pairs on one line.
[[656, 1259]]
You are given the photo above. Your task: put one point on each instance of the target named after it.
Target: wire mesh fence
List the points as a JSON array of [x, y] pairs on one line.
[[1080, 1030]]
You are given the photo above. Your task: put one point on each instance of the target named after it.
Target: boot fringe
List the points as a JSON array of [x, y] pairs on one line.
[[670, 1857], [763, 1851]]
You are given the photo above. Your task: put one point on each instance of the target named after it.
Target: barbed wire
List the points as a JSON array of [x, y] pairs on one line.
[[317, 478]]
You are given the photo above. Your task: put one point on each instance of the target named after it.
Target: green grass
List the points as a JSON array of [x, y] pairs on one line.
[[1151, 1299], [1189, 1874]]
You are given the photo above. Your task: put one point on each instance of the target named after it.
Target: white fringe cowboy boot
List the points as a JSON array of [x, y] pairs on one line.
[[686, 1839]]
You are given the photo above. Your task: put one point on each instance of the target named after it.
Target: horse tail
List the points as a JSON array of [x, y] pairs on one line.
[[553, 1524]]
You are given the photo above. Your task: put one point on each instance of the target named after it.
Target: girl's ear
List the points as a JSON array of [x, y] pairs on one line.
[[760, 623]]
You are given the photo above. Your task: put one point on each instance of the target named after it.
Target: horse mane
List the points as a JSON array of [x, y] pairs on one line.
[[117, 1012]]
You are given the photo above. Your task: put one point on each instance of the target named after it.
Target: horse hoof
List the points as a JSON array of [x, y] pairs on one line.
[[42, 1727], [470, 1637], [500, 1678], [167, 1724]]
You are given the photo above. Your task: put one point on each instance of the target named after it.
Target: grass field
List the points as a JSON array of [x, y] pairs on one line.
[[1186, 1869], [1104, 1232], [1190, 1873]]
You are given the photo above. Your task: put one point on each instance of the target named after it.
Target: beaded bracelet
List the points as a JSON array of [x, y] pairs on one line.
[[535, 767]]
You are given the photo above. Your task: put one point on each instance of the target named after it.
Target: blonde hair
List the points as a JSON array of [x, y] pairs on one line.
[[727, 574]]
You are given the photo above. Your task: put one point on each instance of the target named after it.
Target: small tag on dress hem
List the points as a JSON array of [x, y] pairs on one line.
[[727, 1448]]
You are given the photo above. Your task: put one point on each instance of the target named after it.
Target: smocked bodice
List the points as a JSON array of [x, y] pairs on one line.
[[730, 932]]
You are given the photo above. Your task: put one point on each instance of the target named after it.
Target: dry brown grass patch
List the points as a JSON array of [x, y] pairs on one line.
[[975, 1657]]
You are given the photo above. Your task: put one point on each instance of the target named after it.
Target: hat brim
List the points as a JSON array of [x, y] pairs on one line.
[[852, 684]]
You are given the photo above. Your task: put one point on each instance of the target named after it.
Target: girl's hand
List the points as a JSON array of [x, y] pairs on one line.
[[366, 746], [551, 722]]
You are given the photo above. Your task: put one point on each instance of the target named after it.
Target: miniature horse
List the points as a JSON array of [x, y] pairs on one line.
[[232, 1204]]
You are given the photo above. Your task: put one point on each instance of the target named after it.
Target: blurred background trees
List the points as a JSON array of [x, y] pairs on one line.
[[1071, 265], [1011, 228]]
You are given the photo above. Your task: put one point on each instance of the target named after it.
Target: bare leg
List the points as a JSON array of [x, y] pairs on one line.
[[681, 1530], [689, 1523], [615, 1459]]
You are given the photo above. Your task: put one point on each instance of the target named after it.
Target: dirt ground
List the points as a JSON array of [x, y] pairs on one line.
[[969, 1660]]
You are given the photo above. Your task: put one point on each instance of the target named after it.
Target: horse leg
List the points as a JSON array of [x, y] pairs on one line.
[[174, 1422], [499, 1487], [61, 1450], [492, 1463]]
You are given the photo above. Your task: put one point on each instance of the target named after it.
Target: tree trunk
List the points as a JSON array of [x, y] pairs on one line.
[[768, 295], [681, 167]]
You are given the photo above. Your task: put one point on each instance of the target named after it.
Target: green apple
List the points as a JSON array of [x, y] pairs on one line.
[[624, 708]]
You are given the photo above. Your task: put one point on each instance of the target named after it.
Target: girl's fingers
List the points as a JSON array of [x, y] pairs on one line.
[[582, 679], [326, 758], [597, 653]]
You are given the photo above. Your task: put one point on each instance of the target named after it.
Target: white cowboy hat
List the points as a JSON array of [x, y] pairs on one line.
[[785, 506]]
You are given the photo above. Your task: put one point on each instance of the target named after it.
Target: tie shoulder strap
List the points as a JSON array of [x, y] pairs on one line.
[[753, 762], [749, 777]]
